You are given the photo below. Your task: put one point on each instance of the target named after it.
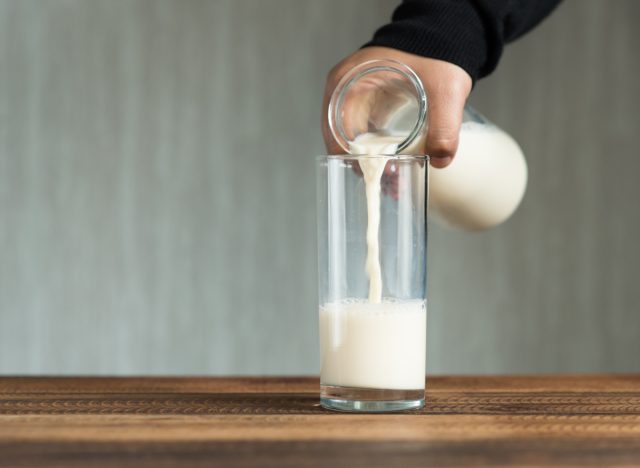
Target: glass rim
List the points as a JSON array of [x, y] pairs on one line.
[[365, 68], [391, 157]]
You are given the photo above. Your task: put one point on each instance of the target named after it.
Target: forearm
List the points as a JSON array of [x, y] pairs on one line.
[[467, 33]]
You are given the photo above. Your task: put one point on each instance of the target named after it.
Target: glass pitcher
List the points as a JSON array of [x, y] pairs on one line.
[[485, 182]]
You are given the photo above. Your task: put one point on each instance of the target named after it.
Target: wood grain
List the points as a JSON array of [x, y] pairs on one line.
[[278, 384], [278, 422]]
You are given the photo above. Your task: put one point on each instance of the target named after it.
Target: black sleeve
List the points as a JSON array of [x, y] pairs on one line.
[[468, 33]]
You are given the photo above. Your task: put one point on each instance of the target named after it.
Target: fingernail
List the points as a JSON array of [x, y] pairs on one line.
[[441, 162]]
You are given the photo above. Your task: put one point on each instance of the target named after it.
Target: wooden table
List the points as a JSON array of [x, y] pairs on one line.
[[233, 422]]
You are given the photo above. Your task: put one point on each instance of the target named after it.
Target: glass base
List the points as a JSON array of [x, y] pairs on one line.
[[370, 400]]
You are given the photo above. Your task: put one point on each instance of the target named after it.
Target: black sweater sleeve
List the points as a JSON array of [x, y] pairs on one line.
[[468, 33]]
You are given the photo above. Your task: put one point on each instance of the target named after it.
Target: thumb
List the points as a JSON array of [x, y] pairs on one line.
[[445, 118]]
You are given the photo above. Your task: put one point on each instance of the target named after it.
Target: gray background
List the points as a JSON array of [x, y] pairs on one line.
[[157, 191]]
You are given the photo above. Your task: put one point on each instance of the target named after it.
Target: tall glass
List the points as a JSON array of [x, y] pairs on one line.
[[372, 242]]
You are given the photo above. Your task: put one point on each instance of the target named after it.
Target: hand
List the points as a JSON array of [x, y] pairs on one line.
[[447, 87]]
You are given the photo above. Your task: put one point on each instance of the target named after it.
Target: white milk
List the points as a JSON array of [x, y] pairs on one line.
[[484, 183], [372, 170], [373, 345]]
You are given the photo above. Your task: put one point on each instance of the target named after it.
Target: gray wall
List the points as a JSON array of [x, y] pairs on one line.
[[157, 191]]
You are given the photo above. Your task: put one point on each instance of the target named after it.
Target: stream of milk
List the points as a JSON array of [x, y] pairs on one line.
[[374, 145]]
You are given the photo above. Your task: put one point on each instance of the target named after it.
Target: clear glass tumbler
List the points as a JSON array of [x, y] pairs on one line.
[[372, 282]]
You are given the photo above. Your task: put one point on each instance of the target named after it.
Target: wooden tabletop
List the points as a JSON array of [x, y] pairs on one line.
[[237, 422]]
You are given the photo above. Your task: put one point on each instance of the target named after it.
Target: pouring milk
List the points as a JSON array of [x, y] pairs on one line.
[[378, 342]]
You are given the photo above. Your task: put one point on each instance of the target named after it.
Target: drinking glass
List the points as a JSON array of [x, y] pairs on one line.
[[373, 350]]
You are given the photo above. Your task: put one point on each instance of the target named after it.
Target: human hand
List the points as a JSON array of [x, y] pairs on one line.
[[447, 87]]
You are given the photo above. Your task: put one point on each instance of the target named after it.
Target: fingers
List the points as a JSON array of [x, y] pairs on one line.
[[446, 106]]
